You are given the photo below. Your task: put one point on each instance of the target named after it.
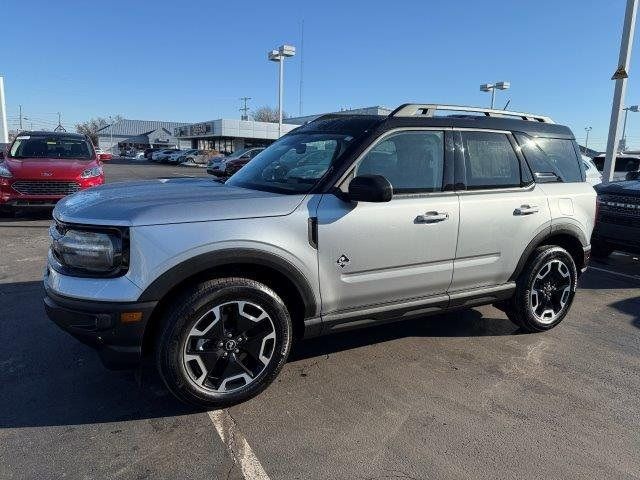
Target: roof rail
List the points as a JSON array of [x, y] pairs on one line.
[[428, 110]]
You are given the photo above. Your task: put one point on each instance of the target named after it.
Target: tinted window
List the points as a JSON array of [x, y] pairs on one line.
[[411, 161], [551, 155], [490, 160], [29, 146]]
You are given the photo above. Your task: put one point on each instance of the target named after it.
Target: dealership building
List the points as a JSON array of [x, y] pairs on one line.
[[224, 135], [228, 136], [139, 135]]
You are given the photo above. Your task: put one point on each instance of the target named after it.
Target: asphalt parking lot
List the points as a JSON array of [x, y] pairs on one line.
[[462, 395]]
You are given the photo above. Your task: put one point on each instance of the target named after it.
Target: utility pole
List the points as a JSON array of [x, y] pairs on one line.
[[244, 109], [59, 128], [20, 109], [620, 76]]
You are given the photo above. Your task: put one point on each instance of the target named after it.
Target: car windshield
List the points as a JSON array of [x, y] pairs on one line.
[[293, 164], [27, 146]]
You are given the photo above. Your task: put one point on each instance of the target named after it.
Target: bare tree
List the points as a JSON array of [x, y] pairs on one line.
[[91, 127], [267, 114]]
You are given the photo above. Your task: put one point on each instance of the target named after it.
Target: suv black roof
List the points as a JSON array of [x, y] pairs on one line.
[[357, 124], [43, 133]]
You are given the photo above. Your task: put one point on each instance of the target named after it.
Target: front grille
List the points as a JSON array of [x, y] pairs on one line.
[[43, 187], [620, 204]]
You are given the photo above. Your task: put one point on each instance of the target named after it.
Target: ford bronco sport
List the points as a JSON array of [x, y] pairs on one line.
[[345, 222]]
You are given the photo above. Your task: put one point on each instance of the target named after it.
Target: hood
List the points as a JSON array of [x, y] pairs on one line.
[[628, 187], [60, 169], [164, 201]]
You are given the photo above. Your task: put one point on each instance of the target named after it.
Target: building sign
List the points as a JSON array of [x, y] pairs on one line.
[[200, 128]]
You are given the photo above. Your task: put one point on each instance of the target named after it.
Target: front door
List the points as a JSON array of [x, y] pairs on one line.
[[372, 254]]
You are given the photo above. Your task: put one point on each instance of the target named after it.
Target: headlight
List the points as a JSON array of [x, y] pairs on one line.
[[91, 172], [88, 252], [4, 172]]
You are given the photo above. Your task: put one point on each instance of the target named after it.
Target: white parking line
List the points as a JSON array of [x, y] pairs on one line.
[[634, 277], [237, 445]]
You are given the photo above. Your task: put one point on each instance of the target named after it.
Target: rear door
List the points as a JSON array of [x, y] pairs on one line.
[[501, 208]]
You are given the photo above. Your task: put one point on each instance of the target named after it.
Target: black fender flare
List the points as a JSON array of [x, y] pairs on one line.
[[559, 229], [225, 257]]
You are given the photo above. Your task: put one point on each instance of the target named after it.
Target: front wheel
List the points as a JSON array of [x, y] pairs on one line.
[[224, 342], [544, 290]]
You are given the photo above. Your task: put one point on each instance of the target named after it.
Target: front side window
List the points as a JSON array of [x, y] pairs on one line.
[[29, 146], [551, 155], [490, 161], [412, 161], [293, 164]]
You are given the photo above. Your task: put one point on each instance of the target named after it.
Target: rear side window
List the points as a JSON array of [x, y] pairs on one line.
[[412, 161], [490, 161], [551, 155]]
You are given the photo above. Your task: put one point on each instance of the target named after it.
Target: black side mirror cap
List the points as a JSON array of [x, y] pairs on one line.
[[370, 188]]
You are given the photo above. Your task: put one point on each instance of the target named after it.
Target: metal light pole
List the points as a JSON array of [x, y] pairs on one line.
[[279, 56], [620, 76], [586, 141], [491, 87], [623, 143], [4, 129]]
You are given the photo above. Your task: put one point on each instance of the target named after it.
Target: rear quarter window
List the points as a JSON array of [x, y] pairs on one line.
[[552, 155]]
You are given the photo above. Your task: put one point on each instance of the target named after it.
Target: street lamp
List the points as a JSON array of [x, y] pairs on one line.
[[491, 87], [623, 141], [586, 141], [279, 56]]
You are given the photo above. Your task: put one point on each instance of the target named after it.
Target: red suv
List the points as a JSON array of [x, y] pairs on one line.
[[40, 168]]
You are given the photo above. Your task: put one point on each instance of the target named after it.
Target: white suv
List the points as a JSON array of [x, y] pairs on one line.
[[345, 222]]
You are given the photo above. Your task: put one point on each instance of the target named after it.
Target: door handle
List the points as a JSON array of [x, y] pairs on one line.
[[526, 210], [432, 217]]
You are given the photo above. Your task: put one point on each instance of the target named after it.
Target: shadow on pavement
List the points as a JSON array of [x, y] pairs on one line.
[[49, 378], [461, 323]]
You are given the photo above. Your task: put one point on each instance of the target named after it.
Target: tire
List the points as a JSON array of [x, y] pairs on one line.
[[544, 290], [230, 369], [600, 249], [7, 212]]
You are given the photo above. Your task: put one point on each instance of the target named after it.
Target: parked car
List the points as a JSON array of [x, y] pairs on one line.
[[149, 151], [102, 155], [594, 177], [180, 156], [625, 163], [618, 221], [227, 166], [389, 217], [162, 155], [40, 168], [202, 157]]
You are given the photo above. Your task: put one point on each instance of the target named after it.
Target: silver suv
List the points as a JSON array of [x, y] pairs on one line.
[[345, 222]]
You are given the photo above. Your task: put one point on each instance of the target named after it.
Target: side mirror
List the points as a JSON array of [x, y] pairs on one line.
[[632, 175], [370, 188]]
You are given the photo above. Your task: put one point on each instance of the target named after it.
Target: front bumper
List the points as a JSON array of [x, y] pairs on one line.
[[219, 169], [102, 325]]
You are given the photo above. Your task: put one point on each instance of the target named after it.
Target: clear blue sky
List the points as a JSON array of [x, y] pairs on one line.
[[192, 60]]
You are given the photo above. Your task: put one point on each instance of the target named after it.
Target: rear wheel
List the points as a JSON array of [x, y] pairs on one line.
[[544, 291], [7, 212], [224, 342]]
